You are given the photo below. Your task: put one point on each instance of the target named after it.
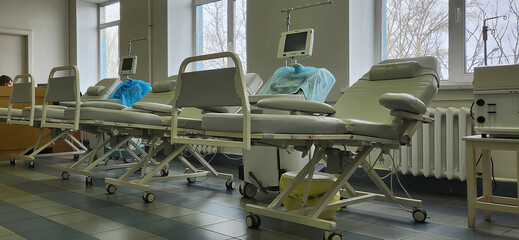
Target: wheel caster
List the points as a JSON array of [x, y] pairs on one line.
[[76, 157], [230, 184], [331, 236], [164, 172], [128, 160], [253, 221], [148, 197], [89, 181], [12, 161], [31, 164], [65, 175], [111, 189], [110, 162], [419, 215], [190, 179], [248, 190]]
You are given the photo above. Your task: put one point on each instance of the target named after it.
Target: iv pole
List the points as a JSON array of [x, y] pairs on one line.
[[289, 11], [485, 34]]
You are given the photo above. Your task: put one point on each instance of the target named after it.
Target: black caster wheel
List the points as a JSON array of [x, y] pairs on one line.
[[65, 175], [248, 190], [31, 164], [89, 181], [111, 189], [253, 221], [76, 157], [148, 197], [12, 161], [164, 172], [419, 215], [230, 184], [190, 179], [332, 236], [128, 160]]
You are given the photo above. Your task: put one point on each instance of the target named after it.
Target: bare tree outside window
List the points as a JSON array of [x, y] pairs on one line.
[[503, 36], [418, 28], [212, 32], [109, 40]]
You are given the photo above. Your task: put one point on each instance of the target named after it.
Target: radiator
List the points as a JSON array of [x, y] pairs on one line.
[[437, 149]]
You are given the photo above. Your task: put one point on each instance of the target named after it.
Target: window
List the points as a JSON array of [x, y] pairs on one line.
[[216, 32], [109, 15], [452, 31]]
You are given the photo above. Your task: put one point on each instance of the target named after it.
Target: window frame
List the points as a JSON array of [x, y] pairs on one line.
[[231, 37], [456, 12], [100, 27]]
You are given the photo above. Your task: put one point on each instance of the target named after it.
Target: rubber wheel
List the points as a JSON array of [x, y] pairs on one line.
[[128, 160], [89, 181], [148, 197], [110, 162], [230, 184], [12, 161], [111, 189], [31, 164], [76, 157], [332, 236], [65, 175], [164, 172], [248, 190], [253, 221], [190, 179], [419, 215]]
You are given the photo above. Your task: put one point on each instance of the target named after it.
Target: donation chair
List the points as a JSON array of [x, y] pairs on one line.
[[381, 111]]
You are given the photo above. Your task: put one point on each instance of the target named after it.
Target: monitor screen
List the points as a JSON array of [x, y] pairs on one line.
[[295, 42], [127, 64]]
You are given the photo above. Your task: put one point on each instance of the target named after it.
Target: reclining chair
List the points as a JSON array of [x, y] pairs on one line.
[[381, 110], [60, 89]]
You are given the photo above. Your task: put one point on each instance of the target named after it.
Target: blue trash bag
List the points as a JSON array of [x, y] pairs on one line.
[[315, 83], [130, 91]]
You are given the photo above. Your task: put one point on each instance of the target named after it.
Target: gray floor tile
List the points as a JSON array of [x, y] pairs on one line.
[[30, 225], [200, 219], [165, 228], [60, 232]]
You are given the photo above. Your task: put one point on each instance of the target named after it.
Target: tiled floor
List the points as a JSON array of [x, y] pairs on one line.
[[38, 204]]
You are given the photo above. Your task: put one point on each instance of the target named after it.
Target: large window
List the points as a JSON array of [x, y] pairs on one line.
[[109, 15], [452, 31], [217, 32]]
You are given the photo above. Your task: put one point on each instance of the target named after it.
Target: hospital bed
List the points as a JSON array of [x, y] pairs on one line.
[[64, 90], [380, 111]]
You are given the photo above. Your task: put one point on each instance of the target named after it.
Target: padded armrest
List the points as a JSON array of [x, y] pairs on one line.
[[105, 105], [296, 105], [154, 107], [402, 102]]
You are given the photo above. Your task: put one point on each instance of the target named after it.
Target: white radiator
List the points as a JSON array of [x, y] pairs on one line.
[[437, 149]]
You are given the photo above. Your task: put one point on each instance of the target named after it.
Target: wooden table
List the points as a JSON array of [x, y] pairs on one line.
[[487, 201]]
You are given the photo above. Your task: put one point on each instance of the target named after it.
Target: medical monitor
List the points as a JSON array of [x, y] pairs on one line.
[[128, 65], [296, 43]]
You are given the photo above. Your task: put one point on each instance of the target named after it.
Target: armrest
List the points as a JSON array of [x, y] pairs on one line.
[[154, 107], [105, 105], [300, 105], [402, 102]]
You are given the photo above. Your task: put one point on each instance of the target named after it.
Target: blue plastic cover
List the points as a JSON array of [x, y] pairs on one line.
[[315, 83], [130, 91]]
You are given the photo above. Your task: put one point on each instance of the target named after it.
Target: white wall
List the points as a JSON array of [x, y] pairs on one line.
[[265, 22], [47, 19], [134, 25], [363, 50], [181, 40]]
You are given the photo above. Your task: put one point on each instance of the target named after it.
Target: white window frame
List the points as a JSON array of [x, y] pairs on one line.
[[230, 22], [101, 26], [457, 75]]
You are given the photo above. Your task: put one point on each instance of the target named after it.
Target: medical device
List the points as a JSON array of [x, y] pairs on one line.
[[496, 100], [296, 43], [128, 66]]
